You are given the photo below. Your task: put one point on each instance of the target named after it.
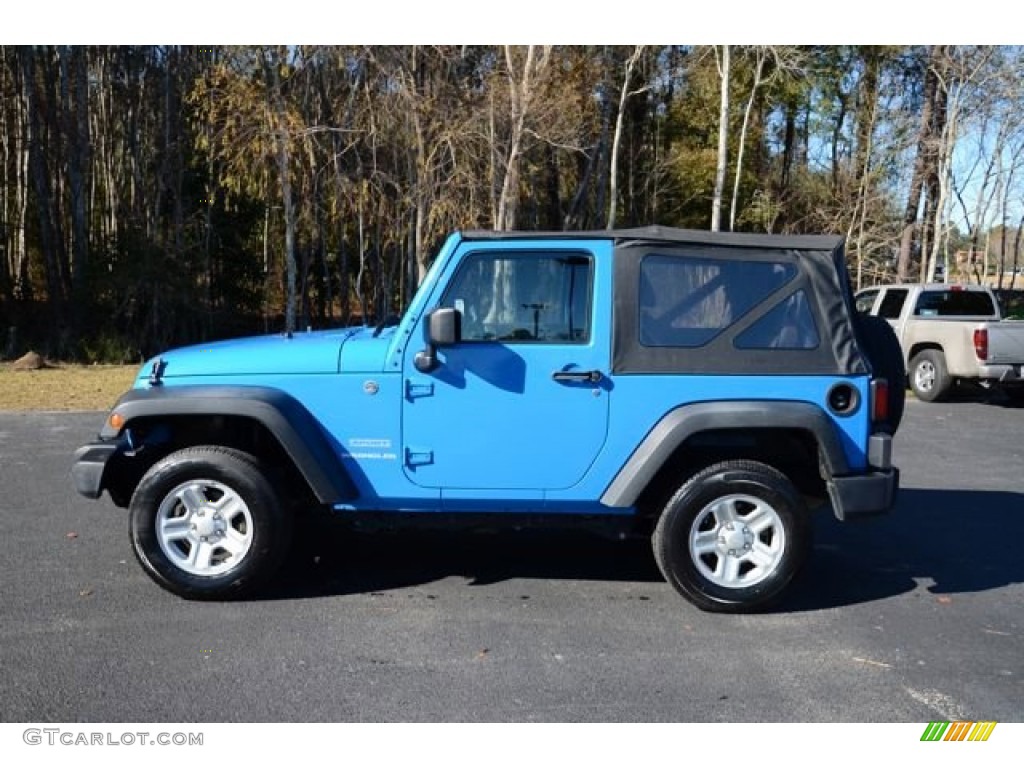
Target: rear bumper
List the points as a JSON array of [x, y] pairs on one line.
[[90, 464], [871, 493], [866, 495], [1005, 374]]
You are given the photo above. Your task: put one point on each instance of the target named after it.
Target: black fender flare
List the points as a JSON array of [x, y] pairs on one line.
[[287, 419], [678, 425]]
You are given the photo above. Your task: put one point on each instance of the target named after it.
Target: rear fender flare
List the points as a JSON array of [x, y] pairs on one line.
[[681, 423]]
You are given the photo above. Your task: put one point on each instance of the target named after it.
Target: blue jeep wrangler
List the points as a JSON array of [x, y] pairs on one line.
[[704, 389]]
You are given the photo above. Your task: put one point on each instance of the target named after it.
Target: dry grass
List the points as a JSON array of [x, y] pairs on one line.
[[64, 387]]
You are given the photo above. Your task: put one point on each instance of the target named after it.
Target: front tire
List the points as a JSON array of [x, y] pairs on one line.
[[929, 377], [205, 523], [733, 537]]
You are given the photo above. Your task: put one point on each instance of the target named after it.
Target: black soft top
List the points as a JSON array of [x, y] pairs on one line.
[[820, 243], [822, 277]]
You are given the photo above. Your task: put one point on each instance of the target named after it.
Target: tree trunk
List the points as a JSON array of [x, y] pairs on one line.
[[723, 142], [946, 117], [78, 171], [758, 70], [49, 239], [1003, 213], [613, 174], [15, 212], [788, 148], [866, 115], [575, 214], [866, 118], [924, 162], [1016, 253], [522, 90], [837, 135], [272, 64]]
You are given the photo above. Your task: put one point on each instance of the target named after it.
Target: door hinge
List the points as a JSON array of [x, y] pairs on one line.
[[414, 389], [416, 457]]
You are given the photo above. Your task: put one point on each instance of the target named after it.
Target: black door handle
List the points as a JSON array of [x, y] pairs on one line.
[[592, 376]]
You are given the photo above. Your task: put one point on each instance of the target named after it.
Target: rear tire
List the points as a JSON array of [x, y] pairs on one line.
[[205, 523], [929, 377], [733, 537]]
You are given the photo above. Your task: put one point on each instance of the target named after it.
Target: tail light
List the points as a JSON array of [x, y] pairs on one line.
[[879, 400], [981, 343]]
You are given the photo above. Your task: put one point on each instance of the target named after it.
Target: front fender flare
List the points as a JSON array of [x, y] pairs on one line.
[[288, 420]]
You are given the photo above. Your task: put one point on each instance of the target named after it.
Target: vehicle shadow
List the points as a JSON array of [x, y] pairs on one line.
[[951, 542], [969, 393], [329, 558]]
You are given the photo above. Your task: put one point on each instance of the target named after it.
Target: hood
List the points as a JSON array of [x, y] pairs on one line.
[[312, 352]]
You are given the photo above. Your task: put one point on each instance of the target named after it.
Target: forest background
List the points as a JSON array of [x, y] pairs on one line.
[[157, 195]]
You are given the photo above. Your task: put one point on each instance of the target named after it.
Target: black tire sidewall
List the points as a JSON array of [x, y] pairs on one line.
[[672, 537], [242, 474]]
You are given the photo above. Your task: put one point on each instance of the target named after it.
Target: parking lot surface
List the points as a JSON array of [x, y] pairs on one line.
[[916, 616]]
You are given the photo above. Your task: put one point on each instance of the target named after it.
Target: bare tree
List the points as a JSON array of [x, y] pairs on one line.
[[930, 128], [784, 60], [272, 63], [624, 94], [523, 85], [723, 141], [964, 71]]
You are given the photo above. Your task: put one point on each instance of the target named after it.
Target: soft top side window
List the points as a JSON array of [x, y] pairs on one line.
[[788, 325], [687, 302]]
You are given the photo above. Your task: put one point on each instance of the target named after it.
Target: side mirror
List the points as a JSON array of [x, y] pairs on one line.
[[443, 328]]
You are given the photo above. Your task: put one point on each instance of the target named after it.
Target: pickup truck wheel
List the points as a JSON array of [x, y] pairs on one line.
[[929, 377], [205, 523], [733, 537]]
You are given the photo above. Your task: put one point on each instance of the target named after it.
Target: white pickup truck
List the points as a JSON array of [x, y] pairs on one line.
[[951, 334]]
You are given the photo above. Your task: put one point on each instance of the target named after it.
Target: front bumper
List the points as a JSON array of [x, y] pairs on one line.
[[90, 463]]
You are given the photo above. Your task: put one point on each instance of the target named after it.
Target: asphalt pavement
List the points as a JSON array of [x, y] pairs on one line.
[[916, 616]]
